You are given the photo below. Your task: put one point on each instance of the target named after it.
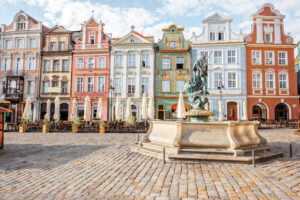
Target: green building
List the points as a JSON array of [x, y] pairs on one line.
[[172, 70]]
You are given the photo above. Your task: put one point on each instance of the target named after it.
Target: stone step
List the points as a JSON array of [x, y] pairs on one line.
[[248, 151], [147, 152], [212, 157], [193, 150]]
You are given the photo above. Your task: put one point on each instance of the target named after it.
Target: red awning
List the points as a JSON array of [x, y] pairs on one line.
[[174, 107]]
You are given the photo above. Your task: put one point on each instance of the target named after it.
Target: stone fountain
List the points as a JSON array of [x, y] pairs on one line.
[[200, 138]]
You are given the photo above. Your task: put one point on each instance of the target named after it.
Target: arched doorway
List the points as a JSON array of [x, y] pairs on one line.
[[232, 111], [64, 111], [281, 112], [259, 112]]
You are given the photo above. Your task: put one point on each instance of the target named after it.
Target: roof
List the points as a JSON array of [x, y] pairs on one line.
[[217, 17], [4, 110]]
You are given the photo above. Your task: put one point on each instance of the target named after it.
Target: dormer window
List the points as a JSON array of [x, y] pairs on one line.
[[268, 38], [211, 36], [92, 37], [21, 23], [221, 36], [172, 44]]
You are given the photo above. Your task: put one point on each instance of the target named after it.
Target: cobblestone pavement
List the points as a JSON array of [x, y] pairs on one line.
[[70, 166]]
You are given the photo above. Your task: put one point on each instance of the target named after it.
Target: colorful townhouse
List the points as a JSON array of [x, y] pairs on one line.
[[172, 70], [271, 77], [226, 55], [90, 73], [56, 71], [20, 57], [131, 71]]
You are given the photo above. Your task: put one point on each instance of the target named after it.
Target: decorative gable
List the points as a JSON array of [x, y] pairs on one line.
[[217, 17], [132, 38]]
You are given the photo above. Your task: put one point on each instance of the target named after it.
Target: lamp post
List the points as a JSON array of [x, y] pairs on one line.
[[220, 87], [111, 88]]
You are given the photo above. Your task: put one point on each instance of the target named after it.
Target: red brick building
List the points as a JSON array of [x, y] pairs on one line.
[[90, 74], [271, 77]]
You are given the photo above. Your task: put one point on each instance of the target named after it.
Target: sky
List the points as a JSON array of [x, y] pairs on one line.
[[148, 16]]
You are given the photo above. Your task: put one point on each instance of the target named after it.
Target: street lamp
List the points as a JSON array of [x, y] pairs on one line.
[[111, 88], [220, 87]]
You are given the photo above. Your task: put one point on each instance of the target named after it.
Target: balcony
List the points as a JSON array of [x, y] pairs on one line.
[[13, 97], [15, 73]]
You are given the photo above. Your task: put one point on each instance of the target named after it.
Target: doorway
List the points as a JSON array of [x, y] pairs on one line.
[[232, 111], [281, 112], [161, 112]]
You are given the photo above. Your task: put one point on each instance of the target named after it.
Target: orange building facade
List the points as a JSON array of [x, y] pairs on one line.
[[271, 77], [90, 73]]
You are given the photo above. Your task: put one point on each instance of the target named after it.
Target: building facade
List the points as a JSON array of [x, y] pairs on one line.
[[90, 73], [172, 70], [132, 71], [226, 55], [20, 62], [271, 77], [56, 71]]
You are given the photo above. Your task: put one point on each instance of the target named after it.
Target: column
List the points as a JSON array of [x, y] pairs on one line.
[[138, 75], [259, 31], [277, 31], [124, 74], [152, 71]]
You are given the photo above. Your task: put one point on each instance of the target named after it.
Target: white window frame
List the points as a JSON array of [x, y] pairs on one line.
[[286, 80], [145, 58], [285, 59], [222, 36], [118, 85], [145, 85], [163, 89], [63, 65], [101, 87], [55, 65], [31, 63], [10, 44], [166, 63], [268, 60], [218, 81], [6, 64], [62, 88], [45, 89], [131, 60], [61, 48], [18, 43], [268, 80], [212, 36], [30, 43], [132, 83], [102, 62], [218, 58], [89, 64], [180, 88], [119, 59], [88, 84], [271, 37], [81, 84], [260, 80], [256, 57], [52, 47], [232, 80], [172, 44], [230, 57], [78, 64]]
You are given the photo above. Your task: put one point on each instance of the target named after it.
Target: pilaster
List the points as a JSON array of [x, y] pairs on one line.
[[277, 32], [83, 36], [259, 31], [124, 65], [138, 74], [152, 71]]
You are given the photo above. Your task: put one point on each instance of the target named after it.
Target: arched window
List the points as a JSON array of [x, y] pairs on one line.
[[281, 112]]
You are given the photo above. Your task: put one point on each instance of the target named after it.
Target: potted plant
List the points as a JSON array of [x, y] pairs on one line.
[[102, 126], [46, 126], [75, 125], [22, 126], [131, 120]]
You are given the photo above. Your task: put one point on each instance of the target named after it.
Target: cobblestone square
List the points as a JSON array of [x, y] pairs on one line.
[[100, 166]]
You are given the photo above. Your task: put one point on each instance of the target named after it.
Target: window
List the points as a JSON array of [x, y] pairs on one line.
[[269, 57], [91, 63], [211, 36], [270, 79], [46, 65], [180, 86], [131, 60], [19, 67], [282, 58], [172, 44], [118, 85], [268, 38], [179, 62], [204, 53], [79, 64], [52, 46], [45, 86], [101, 84], [218, 80], [61, 46], [92, 37], [166, 63], [79, 84], [231, 56], [20, 43], [102, 63], [54, 83], [132, 41], [30, 87], [6, 64], [145, 60], [90, 84], [31, 63], [32, 43], [231, 80], [118, 60], [145, 82], [21, 23], [218, 57], [64, 87], [55, 65], [166, 86], [131, 86], [256, 57], [65, 66], [8, 44], [283, 84], [221, 36], [256, 80]]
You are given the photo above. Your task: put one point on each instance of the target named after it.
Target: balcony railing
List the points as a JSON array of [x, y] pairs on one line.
[[15, 73], [13, 96], [90, 46]]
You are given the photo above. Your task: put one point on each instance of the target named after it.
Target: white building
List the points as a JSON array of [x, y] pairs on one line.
[[131, 71], [227, 65]]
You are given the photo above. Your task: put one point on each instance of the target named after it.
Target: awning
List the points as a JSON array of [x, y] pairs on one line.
[[174, 107]]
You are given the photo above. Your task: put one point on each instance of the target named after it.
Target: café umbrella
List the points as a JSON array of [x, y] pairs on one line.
[[27, 109], [74, 110], [99, 109], [57, 109], [144, 107], [151, 108], [180, 107], [47, 116], [128, 109], [118, 110], [87, 109]]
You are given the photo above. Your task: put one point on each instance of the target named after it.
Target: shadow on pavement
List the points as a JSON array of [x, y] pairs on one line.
[[29, 156]]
